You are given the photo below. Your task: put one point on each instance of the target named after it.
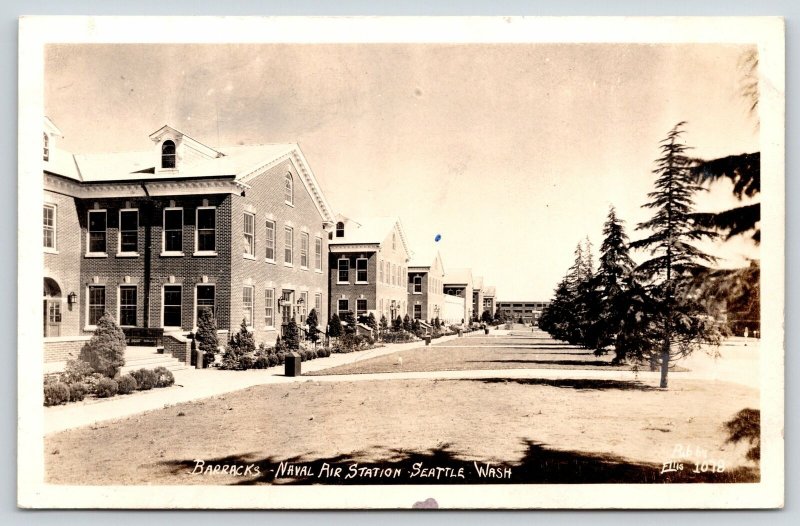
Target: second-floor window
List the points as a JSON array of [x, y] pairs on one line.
[[303, 250], [173, 230], [49, 225], [361, 270], [97, 231], [288, 245], [418, 284], [318, 253], [270, 241], [128, 231], [344, 271], [206, 229], [339, 229], [249, 228]]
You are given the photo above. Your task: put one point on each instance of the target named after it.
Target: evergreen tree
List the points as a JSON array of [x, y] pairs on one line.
[[437, 322], [291, 337], [313, 331], [499, 316], [486, 317], [335, 326], [240, 344], [407, 323], [206, 336], [384, 324], [105, 351], [397, 324], [372, 323], [679, 322], [350, 319]]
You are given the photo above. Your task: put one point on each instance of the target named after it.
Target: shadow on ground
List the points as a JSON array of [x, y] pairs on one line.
[[570, 383], [539, 465]]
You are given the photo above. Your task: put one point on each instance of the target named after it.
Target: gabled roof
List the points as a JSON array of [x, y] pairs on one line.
[[490, 291], [477, 283], [369, 231], [458, 276], [51, 128], [208, 151]]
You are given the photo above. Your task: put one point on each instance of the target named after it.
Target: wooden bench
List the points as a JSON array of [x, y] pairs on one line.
[[144, 336]]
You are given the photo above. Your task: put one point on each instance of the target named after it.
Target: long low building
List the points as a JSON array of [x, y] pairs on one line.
[[529, 311]]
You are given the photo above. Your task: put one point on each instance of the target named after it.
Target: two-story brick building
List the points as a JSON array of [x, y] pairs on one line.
[[490, 299], [458, 282], [426, 287], [158, 235], [368, 267]]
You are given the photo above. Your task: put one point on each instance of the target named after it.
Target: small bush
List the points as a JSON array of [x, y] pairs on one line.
[[56, 393], [106, 388], [246, 361], [92, 380], [105, 352], [126, 384], [281, 357], [272, 360], [76, 371], [165, 377], [146, 379], [302, 356], [77, 391], [261, 362]]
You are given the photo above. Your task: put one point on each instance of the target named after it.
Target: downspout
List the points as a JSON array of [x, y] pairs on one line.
[[147, 255]]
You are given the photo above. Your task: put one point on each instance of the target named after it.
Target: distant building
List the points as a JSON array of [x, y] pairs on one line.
[[477, 297], [458, 283], [529, 311], [489, 300], [426, 288], [368, 267]]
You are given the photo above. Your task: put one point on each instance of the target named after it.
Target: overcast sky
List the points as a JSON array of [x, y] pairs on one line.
[[512, 153]]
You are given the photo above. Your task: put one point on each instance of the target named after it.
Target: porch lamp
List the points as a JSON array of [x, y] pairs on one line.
[[72, 298]]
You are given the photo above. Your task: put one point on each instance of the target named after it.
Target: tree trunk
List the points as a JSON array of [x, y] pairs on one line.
[[664, 364]]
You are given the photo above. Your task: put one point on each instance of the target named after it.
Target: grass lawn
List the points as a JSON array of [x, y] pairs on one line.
[[569, 431], [520, 350]]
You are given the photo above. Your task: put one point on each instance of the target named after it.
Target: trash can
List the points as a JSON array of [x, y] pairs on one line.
[[460, 333], [486, 331], [427, 340], [200, 361], [292, 364]]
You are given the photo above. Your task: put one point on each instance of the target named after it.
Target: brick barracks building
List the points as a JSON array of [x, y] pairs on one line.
[[529, 311], [368, 268], [426, 288], [156, 236]]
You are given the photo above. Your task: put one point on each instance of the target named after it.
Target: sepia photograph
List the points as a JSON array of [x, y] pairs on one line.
[[401, 263]]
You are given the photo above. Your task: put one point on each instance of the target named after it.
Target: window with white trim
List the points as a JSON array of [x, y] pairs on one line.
[[417, 284], [339, 229], [97, 303], [49, 226], [173, 305], [344, 271], [361, 308], [288, 189], [173, 230], [288, 245], [168, 154], [380, 275], [247, 304], [318, 253], [303, 249], [97, 231], [128, 231], [302, 306], [361, 270], [417, 312], [206, 229], [270, 241], [342, 306], [127, 305], [205, 300], [249, 231], [46, 152], [394, 241], [269, 307], [318, 304]]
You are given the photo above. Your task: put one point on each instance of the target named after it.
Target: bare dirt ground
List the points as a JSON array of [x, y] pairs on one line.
[[518, 350], [567, 431]]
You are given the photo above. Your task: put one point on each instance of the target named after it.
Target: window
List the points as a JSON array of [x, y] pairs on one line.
[[339, 229], [173, 230], [205, 300], [249, 229], [361, 308], [318, 253], [247, 305], [381, 276], [288, 245], [304, 250], [302, 306], [97, 231], [361, 270], [318, 304], [172, 305], [46, 152], [168, 154], [49, 225], [127, 306], [128, 231], [288, 189], [343, 306], [97, 303], [270, 240], [417, 284], [344, 271], [394, 241], [269, 307], [206, 229], [417, 312]]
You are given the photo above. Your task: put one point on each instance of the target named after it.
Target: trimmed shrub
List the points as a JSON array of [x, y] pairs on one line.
[[105, 352], [164, 376], [272, 360], [281, 357], [77, 391], [126, 384], [76, 371], [92, 380], [56, 393], [106, 388], [246, 361], [206, 336], [146, 379], [261, 362]]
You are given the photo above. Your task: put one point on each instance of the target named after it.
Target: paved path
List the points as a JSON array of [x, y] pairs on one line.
[[194, 384]]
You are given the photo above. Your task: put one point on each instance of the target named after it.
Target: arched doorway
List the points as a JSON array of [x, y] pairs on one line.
[[52, 308]]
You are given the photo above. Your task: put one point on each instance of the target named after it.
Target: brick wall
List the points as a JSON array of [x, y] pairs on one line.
[[63, 348], [178, 346], [63, 264]]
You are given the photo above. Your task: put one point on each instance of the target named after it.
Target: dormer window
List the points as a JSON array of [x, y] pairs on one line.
[[339, 229], [46, 147], [168, 154], [288, 189]]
